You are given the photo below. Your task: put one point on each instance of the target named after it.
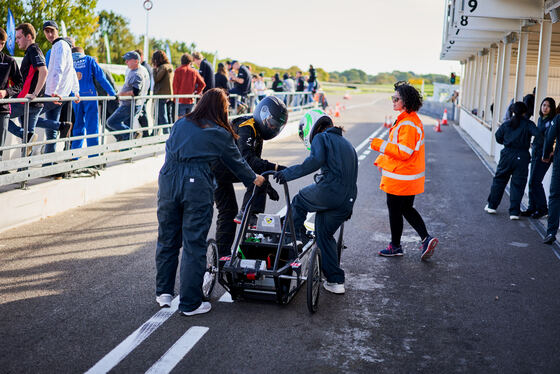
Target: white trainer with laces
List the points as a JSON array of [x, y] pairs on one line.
[[489, 210], [203, 308], [337, 288], [164, 300]]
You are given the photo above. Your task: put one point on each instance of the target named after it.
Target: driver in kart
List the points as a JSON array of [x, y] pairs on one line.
[[332, 195], [267, 121]]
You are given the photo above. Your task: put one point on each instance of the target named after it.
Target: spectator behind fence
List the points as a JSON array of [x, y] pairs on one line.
[[277, 85], [300, 87], [260, 86], [241, 81], [11, 83], [163, 84], [143, 117], [86, 112], [289, 86], [187, 81], [515, 135], [34, 74], [61, 81], [312, 80], [135, 84], [537, 198], [221, 77], [205, 70]]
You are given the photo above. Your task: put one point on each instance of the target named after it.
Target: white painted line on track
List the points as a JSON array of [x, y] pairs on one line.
[[176, 353], [122, 350], [367, 141]]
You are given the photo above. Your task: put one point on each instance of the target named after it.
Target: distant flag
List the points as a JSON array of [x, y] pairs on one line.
[[63, 29], [108, 48], [11, 31], [168, 51]]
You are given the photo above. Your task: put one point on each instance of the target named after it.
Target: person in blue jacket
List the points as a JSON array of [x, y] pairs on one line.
[[549, 154], [185, 197], [334, 193], [515, 135], [87, 112]]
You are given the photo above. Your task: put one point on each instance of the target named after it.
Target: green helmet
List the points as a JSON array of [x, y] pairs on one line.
[[310, 123]]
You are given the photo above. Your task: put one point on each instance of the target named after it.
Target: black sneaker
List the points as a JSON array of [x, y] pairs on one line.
[[527, 213], [428, 246], [549, 239], [65, 129], [538, 214]]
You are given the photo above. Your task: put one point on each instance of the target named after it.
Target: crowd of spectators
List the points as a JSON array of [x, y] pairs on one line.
[[65, 70]]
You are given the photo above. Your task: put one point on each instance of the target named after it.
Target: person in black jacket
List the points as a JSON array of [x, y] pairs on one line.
[[221, 78], [206, 70], [9, 71], [537, 198], [515, 135], [333, 194], [269, 119], [277, 83]]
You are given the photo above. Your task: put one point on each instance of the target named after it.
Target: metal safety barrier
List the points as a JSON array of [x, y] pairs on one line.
[[66, 160]]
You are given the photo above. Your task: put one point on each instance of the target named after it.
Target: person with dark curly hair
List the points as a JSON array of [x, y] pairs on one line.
[[515, 135], [402, 166]]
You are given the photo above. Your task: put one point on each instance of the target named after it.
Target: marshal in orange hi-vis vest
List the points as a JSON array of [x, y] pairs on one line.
[[402, 157]]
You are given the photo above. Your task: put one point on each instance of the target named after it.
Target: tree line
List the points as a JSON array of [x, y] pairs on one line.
[[89, 28]]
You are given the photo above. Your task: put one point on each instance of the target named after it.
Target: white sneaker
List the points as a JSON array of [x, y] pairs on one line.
[[164, 300], [203, 308], [488, 210], [337, 288], [514, 218]]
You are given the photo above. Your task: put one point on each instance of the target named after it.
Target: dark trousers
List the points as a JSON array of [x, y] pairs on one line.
[[513, 164], [185, 207], [226, 204], [399, 207], [554, 200], [50, 123], [327, 221], [537, 197], [143, 120]]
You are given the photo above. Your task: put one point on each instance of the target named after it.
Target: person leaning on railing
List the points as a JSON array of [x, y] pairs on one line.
[[11, 83]]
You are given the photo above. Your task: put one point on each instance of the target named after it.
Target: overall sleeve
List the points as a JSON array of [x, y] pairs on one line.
[[313, 162], [16, 78], [407, 140], [551, 136], [236, 164], [500, 135], [99, 75], [247, 146]]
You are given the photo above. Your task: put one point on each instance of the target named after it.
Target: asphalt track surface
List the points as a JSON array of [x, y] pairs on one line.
[[74, 286]]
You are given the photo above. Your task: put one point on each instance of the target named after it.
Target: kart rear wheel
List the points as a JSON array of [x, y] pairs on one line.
[[314, 280], [209, 280]]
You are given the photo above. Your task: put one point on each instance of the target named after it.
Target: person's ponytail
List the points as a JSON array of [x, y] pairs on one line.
[[518, 109]]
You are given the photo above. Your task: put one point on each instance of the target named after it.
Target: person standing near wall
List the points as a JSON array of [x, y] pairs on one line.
[[402, 164], [515, 135], [537, 198]]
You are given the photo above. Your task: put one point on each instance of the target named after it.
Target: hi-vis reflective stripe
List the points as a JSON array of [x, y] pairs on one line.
[[405, 149], [402, 177], [383, 146]]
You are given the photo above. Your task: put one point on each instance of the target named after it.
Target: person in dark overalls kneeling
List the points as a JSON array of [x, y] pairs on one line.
[[332, 195], [185, 197]]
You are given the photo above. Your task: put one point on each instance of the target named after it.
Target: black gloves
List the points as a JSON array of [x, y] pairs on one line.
[[280, 167], [279, 177], [272, 193]]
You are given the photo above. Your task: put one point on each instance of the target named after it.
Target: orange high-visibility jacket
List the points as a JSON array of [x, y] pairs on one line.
[[402, 157]]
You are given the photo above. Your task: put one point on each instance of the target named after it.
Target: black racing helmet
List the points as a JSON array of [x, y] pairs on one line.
[[271, 115]]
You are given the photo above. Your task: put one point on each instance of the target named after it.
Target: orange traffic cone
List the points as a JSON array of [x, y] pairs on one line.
[[444, 119], [337, 110], [437, 127]]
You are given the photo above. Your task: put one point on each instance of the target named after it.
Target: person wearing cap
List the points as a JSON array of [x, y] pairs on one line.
[[61, 80], [205, 70], [143, 117], [135, 84]]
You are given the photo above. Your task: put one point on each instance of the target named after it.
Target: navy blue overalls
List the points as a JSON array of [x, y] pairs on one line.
[[553, 135], [332, 197], [185, 204], [537, 197], [514, 163]]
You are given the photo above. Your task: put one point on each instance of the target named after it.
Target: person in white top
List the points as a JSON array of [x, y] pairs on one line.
[[61, 79], [260, 86]]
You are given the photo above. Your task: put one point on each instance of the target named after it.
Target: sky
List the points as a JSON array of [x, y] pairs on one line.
[[372, 35]]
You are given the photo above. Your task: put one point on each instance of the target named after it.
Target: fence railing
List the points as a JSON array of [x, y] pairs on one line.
[[17, 167]]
